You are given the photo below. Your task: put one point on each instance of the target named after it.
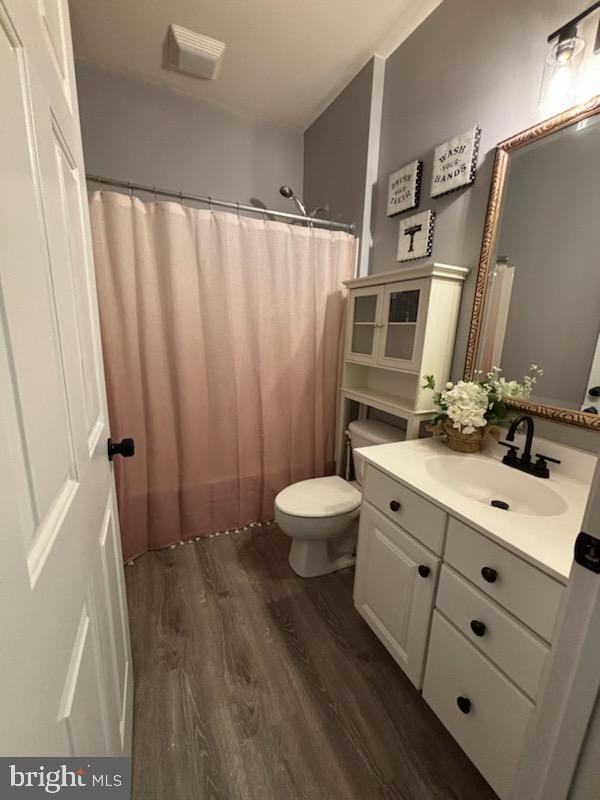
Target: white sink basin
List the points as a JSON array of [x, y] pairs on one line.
[[485, 480]]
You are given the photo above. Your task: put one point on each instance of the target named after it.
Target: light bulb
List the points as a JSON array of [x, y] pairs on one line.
[[559, 81], [568, 44], [565, 49]]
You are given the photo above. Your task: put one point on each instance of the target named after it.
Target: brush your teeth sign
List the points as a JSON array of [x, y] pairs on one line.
[[455, 162]]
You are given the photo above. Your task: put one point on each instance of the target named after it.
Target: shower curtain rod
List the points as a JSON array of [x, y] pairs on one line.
[[211, 201]]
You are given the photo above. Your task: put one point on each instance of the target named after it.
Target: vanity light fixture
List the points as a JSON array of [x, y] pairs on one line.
[[567, 45]]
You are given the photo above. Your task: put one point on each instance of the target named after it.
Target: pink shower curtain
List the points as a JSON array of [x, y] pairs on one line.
[[221, 338]]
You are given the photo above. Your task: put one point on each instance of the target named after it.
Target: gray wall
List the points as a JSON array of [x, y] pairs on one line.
[[470, 62], [142, 132], [336, 150]]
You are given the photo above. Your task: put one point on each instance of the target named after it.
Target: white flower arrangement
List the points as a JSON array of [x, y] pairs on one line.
[[474, 404]]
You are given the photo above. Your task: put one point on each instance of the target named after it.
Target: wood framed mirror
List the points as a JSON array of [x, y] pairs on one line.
[[537, 296]]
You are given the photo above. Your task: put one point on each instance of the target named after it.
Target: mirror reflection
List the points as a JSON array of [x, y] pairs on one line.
[[543, 295]]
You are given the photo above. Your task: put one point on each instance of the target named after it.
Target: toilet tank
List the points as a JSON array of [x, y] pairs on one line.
[[365, 432]]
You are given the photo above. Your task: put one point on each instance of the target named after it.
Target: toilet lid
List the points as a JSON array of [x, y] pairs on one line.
[[318, 497]]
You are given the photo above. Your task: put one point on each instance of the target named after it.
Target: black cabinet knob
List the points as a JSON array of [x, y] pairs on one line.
[[489, 574], [424, 570], [478, 627], [595, 391], [125, 448], [464, 704], [395, 505], [590, 410]]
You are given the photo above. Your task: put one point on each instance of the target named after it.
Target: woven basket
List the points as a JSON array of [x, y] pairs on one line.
[[463, 442]]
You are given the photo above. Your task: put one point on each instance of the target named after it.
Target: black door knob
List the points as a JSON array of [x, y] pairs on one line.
[[424, 570], [125, 448], [478, 627], [595, 391], [489, 574], [464, 704], [395, 505]]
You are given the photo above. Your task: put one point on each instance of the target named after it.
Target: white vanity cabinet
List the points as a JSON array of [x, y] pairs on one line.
[[478, 704], [469, 621], [394, 589], [400, 540]]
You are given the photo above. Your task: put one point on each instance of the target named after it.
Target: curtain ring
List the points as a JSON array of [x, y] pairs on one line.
[[100, 187], [154, 193], [237, 202], [210, 205], [130, 184], [181, 198]]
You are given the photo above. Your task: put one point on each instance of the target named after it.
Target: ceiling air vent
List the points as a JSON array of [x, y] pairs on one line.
[[194, 53]]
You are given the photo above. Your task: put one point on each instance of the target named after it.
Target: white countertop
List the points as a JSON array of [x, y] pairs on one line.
[[545, 541]]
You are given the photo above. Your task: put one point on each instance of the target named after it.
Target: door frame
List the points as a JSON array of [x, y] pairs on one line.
[[571, 686]]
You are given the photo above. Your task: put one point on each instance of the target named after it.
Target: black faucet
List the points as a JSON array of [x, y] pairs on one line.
[[510, 436], [524, 463]]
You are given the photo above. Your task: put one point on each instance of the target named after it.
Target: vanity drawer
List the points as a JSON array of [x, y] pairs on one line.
[[492, 730], [416, 515], [524, 590], [517, 652]]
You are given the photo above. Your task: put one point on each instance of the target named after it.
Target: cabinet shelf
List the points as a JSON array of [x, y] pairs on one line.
[[384, 401]]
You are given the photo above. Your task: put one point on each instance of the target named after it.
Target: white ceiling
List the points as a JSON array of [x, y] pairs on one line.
[[285, 60]]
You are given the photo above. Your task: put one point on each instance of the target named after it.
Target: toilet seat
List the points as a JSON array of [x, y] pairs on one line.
[[318, 497]]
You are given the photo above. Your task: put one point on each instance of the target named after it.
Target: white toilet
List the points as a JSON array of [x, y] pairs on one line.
[[320, 515]]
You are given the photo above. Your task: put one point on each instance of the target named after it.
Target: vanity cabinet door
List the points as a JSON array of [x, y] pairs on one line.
[[404, 315], [394, 589], [364, 324]]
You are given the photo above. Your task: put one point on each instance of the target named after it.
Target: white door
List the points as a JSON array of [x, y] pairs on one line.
[[65, 670], [394, 589]]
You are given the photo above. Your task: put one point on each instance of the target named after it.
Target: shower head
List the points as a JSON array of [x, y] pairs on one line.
[[288, 192]]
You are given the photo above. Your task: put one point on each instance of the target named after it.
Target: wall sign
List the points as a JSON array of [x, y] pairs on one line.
[[404, 188], [455, 162], [415, 239]]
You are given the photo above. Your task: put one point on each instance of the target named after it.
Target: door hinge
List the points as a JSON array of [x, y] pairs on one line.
[[587, 552]]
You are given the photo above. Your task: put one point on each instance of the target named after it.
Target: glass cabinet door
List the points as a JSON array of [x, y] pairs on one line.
[[402, 308], [364, 320]]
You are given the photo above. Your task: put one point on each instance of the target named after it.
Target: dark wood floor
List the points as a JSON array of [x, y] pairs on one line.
[[254, 684]]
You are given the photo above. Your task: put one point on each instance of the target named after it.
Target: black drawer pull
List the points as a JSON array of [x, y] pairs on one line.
[[125, 448], [489, 574], [464, 704], [395, 505], [424, 570], [478, 627]]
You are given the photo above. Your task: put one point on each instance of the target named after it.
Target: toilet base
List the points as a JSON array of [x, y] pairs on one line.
[[314, 557]]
